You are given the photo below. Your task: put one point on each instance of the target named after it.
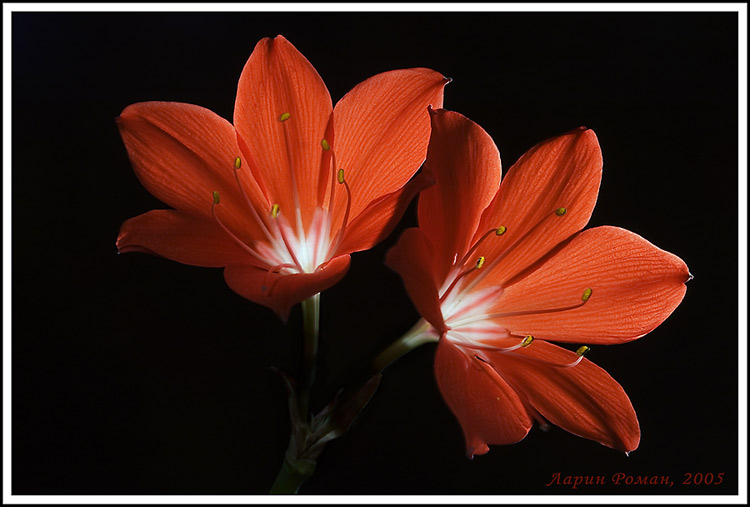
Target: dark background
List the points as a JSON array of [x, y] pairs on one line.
[[137, 375]]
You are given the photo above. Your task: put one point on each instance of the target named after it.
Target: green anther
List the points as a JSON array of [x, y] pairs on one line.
[[480, 262], [325, 145], [582, 350], [216, 197], [527, 341], [586, 294], [285, 116], [340, 176], [560, 211], [237, 163], [501, 230], [275, 210]]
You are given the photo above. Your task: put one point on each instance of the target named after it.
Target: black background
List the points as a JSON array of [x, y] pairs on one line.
[[137, 375]]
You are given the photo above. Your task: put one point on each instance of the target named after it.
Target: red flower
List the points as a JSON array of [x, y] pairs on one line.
[[283, 196], [498, 272]]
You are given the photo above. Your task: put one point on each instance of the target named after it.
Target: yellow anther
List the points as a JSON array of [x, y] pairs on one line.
[[560, 211], [275, 210], [480, 262], [586, 294], [501, 230], [216, 197], [325, 145], [340, 176], [527, 341], [582, 350], [285, 116], [237, 163]]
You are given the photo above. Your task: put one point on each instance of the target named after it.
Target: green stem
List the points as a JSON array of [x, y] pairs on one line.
[[310, 323], [290, 478], [415, 337]]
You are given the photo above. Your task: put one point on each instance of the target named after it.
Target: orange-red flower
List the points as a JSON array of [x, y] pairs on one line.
[[498, 272], [283, 196]]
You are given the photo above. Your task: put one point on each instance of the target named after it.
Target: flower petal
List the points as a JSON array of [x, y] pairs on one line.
[[582, 399], [563, 172], [412, 259], [183, 153], [466, 165], [281, 292], [489, 410], [381, 132], [180, 237], [278, 79], [378, 219], [635, 286]]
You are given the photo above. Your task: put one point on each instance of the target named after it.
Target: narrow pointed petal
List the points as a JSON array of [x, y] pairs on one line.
[[377, 220], [489, 410], [382, 129], [183, 153], [411, 258], [278, 79], [635, 287], [563, 172], [281, 292], [179, 237], [466, 165], [582, 399]]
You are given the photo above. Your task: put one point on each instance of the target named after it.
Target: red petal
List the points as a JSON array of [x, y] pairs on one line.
[[283, 291], [411, 258], [379, 218], [635, 286], [582, 399], [381, 132], [277, 79], [563, 172], [466, 166], [489, 410], [181, 238], [183, 153]]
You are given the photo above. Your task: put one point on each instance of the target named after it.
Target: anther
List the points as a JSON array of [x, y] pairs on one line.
[[560, 211], [527, 341], [586, 294], [275, 210], [582, 350], [480, 262], [237, 163], [216, 197], [340, 176], [501, 230], [325, 145], [285, 117]]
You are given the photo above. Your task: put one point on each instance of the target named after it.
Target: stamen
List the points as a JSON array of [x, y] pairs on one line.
[[340, 235], [476, 267], [261, 222], [325, 145], [468, 344], [527, 341], [501, 230], [295, 191], [480, 262], [500, 315], [237, 240], [586, 294], [498, 232], [282, 233], [560, 211]]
